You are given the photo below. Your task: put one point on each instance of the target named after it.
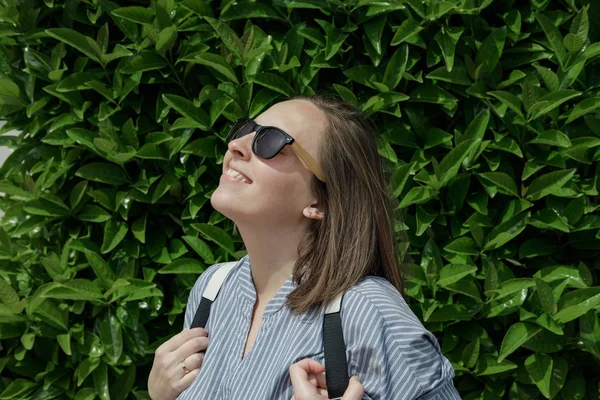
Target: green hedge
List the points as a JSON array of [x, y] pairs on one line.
[[488, 110]]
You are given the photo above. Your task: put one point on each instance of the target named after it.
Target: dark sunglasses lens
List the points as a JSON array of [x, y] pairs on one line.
[[240, 128], [270, 142]]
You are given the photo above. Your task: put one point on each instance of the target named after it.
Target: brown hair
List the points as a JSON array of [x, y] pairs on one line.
[[356, 237]]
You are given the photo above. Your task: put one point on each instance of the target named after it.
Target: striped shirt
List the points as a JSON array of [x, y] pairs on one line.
[[387, 347]]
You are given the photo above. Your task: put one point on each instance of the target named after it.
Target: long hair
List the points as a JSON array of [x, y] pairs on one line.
[[356, 236]]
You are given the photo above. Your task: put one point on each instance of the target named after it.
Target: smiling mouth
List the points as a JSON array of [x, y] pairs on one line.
[[236, 175]]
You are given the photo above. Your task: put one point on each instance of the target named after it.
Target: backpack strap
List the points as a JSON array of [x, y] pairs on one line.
[[210, 294], [336, 370]]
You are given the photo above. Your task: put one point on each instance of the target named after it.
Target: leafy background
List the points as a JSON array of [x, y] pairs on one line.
[[488, 110]]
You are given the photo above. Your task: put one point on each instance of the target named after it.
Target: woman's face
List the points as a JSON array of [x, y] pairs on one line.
[[277, 190]]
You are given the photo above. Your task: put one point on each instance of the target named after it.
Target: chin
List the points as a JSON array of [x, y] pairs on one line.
[[227, 204]]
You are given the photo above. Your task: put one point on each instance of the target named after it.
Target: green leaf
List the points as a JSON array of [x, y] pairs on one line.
[[201, 248], [145, 61], [508, 99], [549, 77], [333, 42], [451, 163], [513, 20], [550, 101], [552, 137], [166, 39], [584, 107], [183, 266], [511, 287], [545, 295], [76, 289], [121, 388], [18, 389], [463, 245], [488, 365], [138, 228], [424, 219], [453, 273], [101, 268], [406, 31], [227, 36], [46, 207], [517, 335], [539, 367], [64, 341], [544, 185], [77, 193], [188, 109], [112, 339], [273, 82], [470, 353], [447, 40], [477, 127], [578, 34], [103, 172], [427, 93], [490, 51], [554, 38], [216, 235], [396, 67], [94, 213], [85, 44], [137, 14], [8, 295], [114, 233], [458, 75], [576, 303], [571, 275], [502, 181], [417, 195], [216, 62], [506, 231]]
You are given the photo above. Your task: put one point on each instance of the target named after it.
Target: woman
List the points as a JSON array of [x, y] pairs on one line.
[[315, 220]]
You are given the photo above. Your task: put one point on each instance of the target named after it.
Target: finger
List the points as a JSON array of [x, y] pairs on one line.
[[321, 381], [187, 379], [190, 347], [194, 361], [310, 366], [182, 337], [299, 375], [355, 390]]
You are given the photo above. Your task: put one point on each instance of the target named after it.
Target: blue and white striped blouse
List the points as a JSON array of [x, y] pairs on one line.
[[387, 347]]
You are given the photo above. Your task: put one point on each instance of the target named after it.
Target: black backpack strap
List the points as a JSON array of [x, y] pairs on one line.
[[210, 294], [336, 364]]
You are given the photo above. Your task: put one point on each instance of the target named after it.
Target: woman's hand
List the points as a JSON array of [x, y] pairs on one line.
[[176, 364], [309, 383]]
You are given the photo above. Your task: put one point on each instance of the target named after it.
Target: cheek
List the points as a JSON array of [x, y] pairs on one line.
[[290, 189]]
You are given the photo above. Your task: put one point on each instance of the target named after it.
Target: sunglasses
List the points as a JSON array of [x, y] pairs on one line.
[[269, 141]]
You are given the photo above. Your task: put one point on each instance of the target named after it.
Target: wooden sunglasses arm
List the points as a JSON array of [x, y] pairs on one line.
[[312, 164]]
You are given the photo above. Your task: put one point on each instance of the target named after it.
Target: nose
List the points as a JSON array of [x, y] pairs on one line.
[[241, 147]]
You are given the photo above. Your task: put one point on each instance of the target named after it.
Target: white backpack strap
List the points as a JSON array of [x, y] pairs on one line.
[[210, 294], [217, 279], [334, 305]]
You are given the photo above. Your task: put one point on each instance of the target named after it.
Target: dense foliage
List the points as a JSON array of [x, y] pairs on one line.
[[489, 112]]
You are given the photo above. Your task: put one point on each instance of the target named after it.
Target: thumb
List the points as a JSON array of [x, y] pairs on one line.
[[355, 390]]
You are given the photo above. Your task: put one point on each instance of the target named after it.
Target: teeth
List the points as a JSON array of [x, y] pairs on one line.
[[236, 175]]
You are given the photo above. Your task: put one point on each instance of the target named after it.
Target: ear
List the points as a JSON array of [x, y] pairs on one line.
[[313, 212]]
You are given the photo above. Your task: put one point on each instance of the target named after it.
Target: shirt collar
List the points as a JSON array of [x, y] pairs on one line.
[[248, 292]]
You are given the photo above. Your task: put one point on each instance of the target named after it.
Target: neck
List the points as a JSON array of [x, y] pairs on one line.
[[273, 253]]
